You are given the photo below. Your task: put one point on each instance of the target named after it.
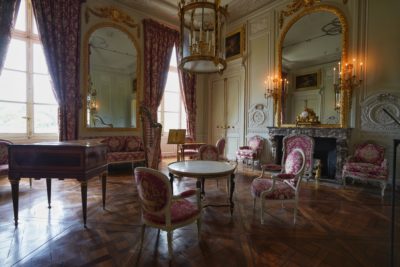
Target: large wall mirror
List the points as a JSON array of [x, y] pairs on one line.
[[112, 65], [310, 50]]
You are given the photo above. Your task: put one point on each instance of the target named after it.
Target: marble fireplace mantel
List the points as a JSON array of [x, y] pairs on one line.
[[341, 135]]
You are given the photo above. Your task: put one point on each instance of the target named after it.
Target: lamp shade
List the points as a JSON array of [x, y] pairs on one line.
[[202, 44]]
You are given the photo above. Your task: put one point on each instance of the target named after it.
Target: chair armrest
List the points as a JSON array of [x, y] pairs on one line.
[[384, 164], [244, 147]]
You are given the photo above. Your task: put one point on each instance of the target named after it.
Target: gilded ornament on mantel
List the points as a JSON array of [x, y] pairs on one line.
[[114, 14], [307, 118]]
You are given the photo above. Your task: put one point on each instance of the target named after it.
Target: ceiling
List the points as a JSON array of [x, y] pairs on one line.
[[168, 9]]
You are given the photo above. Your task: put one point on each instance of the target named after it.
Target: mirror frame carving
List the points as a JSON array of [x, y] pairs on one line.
[[344, 92], [86, 85]]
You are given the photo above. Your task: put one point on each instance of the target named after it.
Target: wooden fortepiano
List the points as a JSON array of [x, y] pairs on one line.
[[80, 159]]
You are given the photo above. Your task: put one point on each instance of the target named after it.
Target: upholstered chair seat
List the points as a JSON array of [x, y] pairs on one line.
[[281, 190], [367, 164]]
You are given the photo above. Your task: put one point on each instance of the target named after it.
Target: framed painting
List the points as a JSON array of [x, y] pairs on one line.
[[234, 44], [308, 81]]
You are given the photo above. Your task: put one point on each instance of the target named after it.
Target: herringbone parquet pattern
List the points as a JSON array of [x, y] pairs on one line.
[[336, 227]]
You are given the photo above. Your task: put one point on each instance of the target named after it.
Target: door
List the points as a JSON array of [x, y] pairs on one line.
[[226, 115]]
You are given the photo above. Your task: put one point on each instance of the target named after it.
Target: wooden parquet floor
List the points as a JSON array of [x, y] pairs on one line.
[[335, 226]]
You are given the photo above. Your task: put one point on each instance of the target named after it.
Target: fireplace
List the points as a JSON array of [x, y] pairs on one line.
[[330, 147]]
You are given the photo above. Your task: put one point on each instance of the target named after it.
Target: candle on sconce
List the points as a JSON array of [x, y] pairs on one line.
[[339, 70], [334, 75], [361, 70], [354, 67]]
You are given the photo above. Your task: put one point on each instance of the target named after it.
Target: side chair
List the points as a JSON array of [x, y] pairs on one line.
[[283, 187], [161, 209]]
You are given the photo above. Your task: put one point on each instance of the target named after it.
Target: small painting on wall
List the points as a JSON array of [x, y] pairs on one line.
[[234, 44], [307, 81]]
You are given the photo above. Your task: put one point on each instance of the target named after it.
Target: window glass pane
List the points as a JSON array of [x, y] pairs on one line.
[[183, 117], [20, 24], [45, 119], [34, 25], [171, 101], [173, 58], [16, 55], [39, 60], [13, 86], [42, 89], [171, 121], [11, 118], [172, 82]]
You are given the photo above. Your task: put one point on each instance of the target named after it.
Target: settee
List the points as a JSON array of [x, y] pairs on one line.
[[123, 149]]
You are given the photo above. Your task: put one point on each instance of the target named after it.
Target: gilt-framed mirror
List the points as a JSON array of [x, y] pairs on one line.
[[310, 48], [112, 74]]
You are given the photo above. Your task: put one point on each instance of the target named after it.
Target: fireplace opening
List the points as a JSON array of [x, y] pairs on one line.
[[324, 150]]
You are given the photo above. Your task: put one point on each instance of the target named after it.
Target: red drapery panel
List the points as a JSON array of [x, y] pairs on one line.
[[188, 91], [8, 14], [59, 27], [159, 41]]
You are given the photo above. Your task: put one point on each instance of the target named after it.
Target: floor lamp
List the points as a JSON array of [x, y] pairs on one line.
[[176, 137]]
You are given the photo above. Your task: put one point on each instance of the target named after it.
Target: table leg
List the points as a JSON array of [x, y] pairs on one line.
[[48, 186], [84, 200], [198, 186], [232, 189], [104, 188], [15, 196], [171, 179], [202, 187]]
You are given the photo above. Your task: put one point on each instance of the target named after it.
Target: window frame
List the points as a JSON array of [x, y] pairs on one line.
[[30, 38]]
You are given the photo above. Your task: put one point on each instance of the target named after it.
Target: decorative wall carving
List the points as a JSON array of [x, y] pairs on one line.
[[258, 25], [340, 134], [374, 119], [295, 6], [114, 14], [257, 115]]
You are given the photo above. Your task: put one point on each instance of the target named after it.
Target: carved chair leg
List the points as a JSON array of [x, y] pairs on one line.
[[262, 211], [383, 186], [198, 228]]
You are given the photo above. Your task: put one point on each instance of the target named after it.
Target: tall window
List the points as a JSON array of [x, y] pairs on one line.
[[171, 112], [28, 108]]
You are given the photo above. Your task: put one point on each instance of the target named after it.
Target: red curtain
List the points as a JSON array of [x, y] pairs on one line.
[[8, 14], [188, 90], [59, 27], [159, 41]]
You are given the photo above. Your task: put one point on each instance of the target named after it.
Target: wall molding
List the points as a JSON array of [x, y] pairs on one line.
[[374, 119]]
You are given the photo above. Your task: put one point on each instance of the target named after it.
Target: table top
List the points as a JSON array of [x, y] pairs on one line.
[[79, 143], [201, 168]]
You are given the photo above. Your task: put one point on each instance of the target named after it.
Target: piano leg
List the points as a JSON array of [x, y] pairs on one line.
[[15, 193], [103, 188], [84, 200], [48, 186]]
